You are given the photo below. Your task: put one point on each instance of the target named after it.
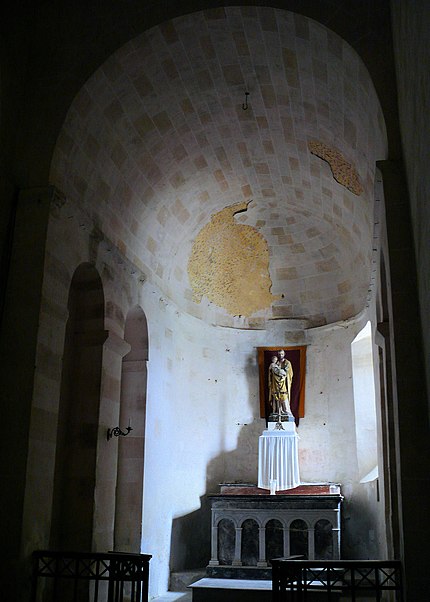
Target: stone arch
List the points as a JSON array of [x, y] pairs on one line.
[[251, 517], [232, 519], [90, 52], [130, 468], [150, 243], [165, 255], [280, 519], [298, 519], [77, 432]]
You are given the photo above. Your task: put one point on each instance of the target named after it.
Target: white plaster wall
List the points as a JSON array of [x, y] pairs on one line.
[[329, 448], [203, 424], [328, 445], [202, 390]]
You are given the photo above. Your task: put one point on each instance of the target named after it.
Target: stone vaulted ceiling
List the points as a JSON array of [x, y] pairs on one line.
[[238, 215]]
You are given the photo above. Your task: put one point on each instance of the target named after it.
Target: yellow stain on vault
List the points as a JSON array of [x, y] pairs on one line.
[[229, 264]]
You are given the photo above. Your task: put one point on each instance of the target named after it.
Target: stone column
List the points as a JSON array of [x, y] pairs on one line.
[[311, 544], [336, 543], [114, 350], [237, 561], [129, 486], [214, 546], [262, 561], [286, 542]]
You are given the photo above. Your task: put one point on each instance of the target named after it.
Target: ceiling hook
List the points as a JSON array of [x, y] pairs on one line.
[[245, 104]]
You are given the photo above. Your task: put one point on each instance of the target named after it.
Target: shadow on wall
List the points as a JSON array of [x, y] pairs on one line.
[[361, 533], [191, 533]]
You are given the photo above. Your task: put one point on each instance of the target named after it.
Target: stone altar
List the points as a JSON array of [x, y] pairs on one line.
[[250, 526]]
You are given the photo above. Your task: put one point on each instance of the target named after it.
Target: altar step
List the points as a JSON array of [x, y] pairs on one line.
[[180, 580], [246, 573], [231, 590], [245, 590]]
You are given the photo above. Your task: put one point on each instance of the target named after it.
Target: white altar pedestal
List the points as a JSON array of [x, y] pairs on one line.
[[278, 457]]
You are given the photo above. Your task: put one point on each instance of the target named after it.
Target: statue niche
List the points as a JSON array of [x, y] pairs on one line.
[[282, 383]]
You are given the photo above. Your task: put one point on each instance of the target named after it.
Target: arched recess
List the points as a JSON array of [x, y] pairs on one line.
[[249, 547], [75, 462], [226, 541], [299, 538], [274, 540], [323, 540], [129, 489]]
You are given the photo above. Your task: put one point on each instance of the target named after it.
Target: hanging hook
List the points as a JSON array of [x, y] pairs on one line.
[[245, 104]]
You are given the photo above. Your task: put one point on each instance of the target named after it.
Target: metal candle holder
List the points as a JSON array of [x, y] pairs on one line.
[[117, 432]]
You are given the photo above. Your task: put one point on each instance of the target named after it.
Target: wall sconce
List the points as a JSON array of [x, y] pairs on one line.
[[117, 432]]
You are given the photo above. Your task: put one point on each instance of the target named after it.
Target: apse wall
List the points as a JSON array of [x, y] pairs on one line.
[[155, 150], [202, 417], [203, 425]]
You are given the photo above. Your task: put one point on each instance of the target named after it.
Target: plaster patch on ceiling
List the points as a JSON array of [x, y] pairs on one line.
[[343, 172], [229, 263]]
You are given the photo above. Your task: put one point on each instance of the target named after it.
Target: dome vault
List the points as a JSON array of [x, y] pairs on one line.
[[157, 148]]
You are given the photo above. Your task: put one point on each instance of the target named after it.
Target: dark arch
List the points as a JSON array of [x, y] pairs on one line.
[[89, 46], [249, 551], [323, 540], [299, 538], [75, 462], [274, 539], [226, 541]]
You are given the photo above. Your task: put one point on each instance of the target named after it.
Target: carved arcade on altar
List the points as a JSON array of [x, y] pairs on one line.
[[250, 528]]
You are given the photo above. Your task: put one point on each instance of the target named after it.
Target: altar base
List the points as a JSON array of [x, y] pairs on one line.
[[250, 526]]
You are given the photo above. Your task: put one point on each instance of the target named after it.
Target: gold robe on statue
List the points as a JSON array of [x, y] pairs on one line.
[[280, 379]]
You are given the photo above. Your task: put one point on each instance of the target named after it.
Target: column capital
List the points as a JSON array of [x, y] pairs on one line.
[[116, 344]]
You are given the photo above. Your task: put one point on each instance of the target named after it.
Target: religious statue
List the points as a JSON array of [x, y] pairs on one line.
[[280, 379]]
